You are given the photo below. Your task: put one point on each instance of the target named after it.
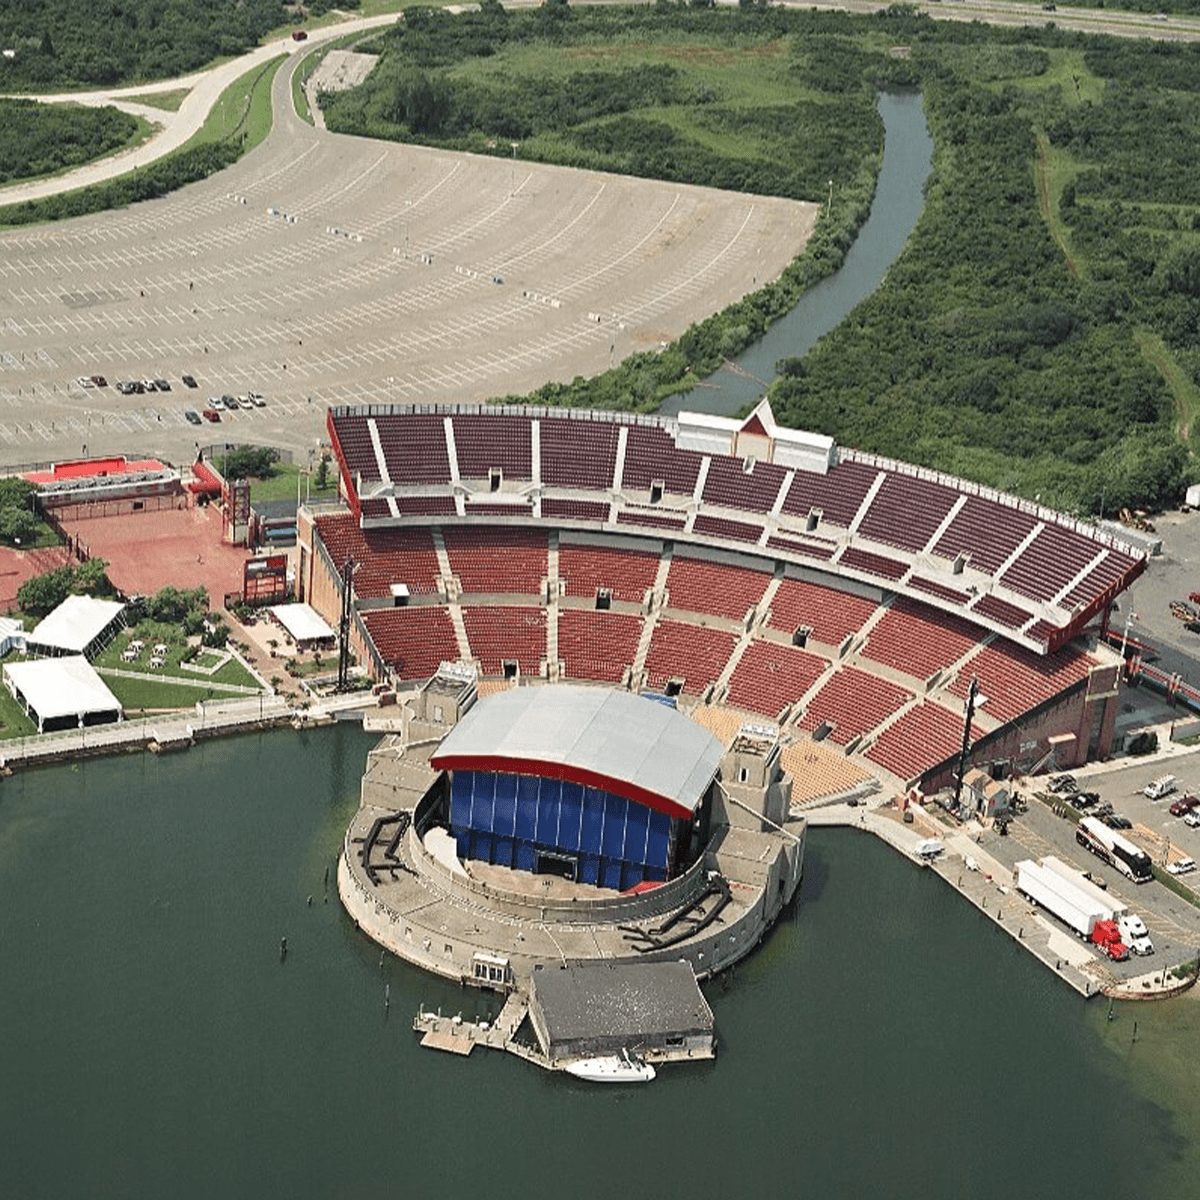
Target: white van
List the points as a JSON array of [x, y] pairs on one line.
[[1156, 789]]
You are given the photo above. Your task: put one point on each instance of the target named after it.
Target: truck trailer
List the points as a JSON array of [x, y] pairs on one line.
[[1113, 906], [1056, 895], [1075, 907]]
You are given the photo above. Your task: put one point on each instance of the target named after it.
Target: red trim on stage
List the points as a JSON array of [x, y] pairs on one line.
[[563, 771]]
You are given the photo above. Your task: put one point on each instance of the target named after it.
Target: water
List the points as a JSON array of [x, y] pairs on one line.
[[885, 1040], [895, 209]]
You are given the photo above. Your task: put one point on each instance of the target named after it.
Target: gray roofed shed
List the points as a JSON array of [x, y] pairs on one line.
[[587, 1009]]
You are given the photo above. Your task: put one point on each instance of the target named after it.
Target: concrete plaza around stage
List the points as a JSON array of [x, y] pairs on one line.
[[325, 269]]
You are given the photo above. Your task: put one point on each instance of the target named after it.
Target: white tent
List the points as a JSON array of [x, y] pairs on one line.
[[76, 626], [65, 692], [302, 621]]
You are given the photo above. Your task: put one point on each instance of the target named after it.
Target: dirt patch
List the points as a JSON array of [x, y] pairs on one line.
[[341, 70]]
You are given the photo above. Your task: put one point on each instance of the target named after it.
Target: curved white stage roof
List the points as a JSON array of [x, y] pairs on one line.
[[616, 741]]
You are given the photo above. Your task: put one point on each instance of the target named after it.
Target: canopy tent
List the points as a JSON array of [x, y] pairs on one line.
[[62, 693], [303, 622]]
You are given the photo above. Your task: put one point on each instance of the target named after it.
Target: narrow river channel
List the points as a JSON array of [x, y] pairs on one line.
[[899, 199]]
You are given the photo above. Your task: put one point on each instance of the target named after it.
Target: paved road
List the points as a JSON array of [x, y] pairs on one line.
[[205, 88]]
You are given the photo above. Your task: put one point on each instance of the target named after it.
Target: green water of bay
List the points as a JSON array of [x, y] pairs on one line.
[[885, 1040]]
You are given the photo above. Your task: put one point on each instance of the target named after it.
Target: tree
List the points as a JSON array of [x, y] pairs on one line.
[[91, 578], [323, 473], [18, 526], [43, 593], [250, 462]]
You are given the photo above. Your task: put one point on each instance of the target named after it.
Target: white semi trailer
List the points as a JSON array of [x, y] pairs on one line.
[[1074, 907]]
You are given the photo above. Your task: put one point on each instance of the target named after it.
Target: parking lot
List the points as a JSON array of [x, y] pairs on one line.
[[326, 270], [1173, 923]]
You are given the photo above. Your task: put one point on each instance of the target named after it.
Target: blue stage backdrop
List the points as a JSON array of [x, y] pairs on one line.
[[512, 819]]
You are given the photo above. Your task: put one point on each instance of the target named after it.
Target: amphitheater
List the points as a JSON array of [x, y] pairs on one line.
[[752, 573]]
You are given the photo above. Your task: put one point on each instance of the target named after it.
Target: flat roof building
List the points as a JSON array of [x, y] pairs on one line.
[[583, 1010]]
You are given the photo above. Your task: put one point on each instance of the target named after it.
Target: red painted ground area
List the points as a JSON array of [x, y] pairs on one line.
[[177, 546], [16, 567]]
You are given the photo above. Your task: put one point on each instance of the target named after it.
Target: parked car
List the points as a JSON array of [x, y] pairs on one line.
[[1192, 819], [192, 415], [1062, 784], [1085, 799], [99, 381], [1181, 866], [257, 399], [85, 381], [211, 414], [1184, 805], [162, 385], [1118, 821], [188, 380]]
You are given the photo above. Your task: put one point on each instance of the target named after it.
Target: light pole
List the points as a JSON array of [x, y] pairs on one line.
[[1129, 617]]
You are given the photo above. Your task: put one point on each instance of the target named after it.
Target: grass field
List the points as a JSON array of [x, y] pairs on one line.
[[13, 721], [231, 674], [282, 484], [167, 101], [137, 695], [244, 107]]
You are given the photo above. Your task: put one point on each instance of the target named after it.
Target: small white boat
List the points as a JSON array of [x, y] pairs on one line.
[[611, 1068]]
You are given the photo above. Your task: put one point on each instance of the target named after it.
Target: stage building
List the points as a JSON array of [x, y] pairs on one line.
[[600, 787]]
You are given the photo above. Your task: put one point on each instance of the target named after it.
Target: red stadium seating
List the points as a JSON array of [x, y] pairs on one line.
[[493, 440], [651, 454], [838, 494], [707, 587], [628, 574], [498, 635], [919, 640], [384, 556], [415, 449], [488, 559], [1049, 563], [906, 512], [413, 641], [728, 484], [924, 737], [580, 454], [854, 702], [986, 530], [694, 653], [831, 615], [574, 510], [1013, 680], [891, 569], [770, 676], [597, 645], [723, 527]]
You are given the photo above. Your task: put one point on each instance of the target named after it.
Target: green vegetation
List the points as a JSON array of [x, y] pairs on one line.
[[44, 593], [62, 44], [1175, 885], [13, 721], [240, 120], [273, 480], [167, 101], [142, 695], [1040, 331], [19, 523], [41, 139]]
